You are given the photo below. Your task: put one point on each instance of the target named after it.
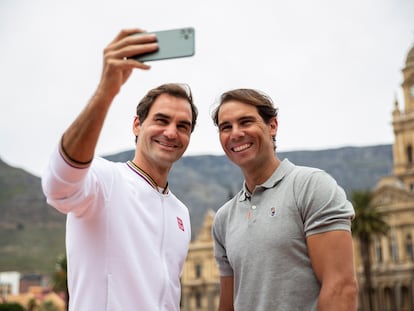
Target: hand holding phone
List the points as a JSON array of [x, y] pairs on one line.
[[173, 43]]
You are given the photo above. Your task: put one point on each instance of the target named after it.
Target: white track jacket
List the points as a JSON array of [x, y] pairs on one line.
[[126, 242]]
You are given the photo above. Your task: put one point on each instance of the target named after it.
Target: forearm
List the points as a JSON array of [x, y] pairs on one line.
[[79, 140], [226, 293]]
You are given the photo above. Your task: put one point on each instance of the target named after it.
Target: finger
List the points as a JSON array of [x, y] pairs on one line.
[[132, 40], [136, 64], [135, 50], [127, 64], [131, 50], [125, 33]]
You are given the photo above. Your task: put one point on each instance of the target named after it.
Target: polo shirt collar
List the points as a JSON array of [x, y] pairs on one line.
[[281, 171]]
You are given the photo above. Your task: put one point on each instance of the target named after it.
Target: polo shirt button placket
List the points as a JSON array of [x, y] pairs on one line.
[[253, 213]]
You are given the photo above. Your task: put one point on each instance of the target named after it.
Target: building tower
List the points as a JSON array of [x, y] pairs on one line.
[[392, 255], [200, 279], [403, 124]]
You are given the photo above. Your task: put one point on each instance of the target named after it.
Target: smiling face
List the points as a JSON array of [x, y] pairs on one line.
[[244, 136], [164, 135]]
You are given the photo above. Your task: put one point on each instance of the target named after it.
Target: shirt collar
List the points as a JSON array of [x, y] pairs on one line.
[[147, 177], [281, 171]]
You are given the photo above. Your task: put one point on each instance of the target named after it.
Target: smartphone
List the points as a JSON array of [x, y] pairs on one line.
[[173, 43]]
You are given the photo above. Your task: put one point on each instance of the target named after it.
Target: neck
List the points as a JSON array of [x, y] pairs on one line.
[[257, 175]]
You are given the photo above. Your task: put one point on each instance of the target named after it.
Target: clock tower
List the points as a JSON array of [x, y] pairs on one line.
[[408, 84], [392, 265], [403, 124]]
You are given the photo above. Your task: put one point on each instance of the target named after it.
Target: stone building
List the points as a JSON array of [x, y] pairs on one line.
[[393, 255], [200, 278]]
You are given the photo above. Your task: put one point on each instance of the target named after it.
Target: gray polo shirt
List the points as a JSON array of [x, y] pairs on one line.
[[260, 238]]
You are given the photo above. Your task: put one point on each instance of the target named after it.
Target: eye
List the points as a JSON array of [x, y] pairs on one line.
[[184, 127], [246, 122], [162, 121], [224, 127]]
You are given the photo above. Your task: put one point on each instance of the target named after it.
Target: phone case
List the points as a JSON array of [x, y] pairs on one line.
[[173, 43]]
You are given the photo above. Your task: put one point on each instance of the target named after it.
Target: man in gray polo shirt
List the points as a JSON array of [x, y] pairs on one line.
[[284, 241]]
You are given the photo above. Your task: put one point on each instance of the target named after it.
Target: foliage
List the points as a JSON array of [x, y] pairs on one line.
[[32, 304], [60, 278], [368, 222], [11, 307], [48, 306], [60, 275]]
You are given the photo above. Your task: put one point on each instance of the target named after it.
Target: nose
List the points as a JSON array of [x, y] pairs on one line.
[[236, 132], [171, 131]]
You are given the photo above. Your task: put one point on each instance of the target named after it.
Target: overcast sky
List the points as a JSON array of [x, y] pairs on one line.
[[332, 67]]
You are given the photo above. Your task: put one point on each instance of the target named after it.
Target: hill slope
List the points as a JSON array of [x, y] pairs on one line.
[[32, 233], [203, 182]]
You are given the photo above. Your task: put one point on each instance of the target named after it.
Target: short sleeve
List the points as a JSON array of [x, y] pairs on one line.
[[323, 203], [220, 254]]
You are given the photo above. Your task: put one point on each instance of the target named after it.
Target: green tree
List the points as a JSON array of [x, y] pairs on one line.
[[60, 279], [368, 223], [48, 306], [32, 304], [11, 307]]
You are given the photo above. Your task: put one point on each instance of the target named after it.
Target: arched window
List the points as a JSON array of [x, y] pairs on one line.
[[198, 270], [409, 246], [387, 298], [409, 154], [378, 249], [198, 299], [405, 298], [393, 247]]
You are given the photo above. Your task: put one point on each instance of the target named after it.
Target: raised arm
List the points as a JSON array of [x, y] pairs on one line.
[[80, 139]]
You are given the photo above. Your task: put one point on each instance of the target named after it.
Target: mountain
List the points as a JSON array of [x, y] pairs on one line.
[[32, 233], [204, 182], [18, 191]]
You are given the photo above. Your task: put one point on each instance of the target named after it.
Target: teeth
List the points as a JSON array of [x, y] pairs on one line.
[[167, 145], [241, 148]]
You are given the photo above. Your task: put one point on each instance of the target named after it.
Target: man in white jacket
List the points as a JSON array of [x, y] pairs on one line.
[[127, 235]]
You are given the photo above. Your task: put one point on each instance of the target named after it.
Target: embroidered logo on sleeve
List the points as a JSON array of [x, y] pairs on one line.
[[180, 223]]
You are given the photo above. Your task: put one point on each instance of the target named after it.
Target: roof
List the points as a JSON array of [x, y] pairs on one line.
[[410, 57]]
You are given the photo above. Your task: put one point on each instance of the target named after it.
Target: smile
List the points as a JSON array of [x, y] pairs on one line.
[[241, 147], [166, 144]]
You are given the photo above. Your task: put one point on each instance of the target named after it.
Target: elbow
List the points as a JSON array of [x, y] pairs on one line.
[[342, 294], [350, 292]]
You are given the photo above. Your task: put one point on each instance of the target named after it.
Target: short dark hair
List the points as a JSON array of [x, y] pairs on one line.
[[260, 100], [173, 89]]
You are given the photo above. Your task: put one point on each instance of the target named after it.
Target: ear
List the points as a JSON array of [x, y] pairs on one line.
[[273, 124], [136, 126]]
